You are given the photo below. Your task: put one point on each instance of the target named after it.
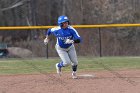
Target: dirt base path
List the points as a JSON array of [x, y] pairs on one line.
[[87, 82]]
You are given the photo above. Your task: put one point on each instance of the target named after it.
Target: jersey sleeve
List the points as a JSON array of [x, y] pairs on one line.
[[48, 32], [76, 36], [52, 31]]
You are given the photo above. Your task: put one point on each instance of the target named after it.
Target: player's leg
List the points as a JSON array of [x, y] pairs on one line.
[[73, 57], [64, 57]]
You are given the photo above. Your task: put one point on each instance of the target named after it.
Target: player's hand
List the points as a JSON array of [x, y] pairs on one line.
[[46, 40], [68, 41]]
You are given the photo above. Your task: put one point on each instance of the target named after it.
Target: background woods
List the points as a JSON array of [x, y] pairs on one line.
[[115, 41]]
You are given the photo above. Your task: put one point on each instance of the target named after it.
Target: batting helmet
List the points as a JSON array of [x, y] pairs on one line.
[[62, 19]]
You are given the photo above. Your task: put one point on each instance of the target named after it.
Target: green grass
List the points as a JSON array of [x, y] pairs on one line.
[[42, 65]]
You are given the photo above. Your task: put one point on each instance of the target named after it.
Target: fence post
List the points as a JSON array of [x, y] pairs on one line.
[[100, 42]]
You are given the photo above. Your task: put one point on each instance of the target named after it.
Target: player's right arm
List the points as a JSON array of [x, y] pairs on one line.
[[46, 40], [49, 32]]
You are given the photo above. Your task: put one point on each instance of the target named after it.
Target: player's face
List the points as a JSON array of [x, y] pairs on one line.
[[65, 25]]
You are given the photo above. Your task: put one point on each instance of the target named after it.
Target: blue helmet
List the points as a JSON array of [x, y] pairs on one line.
[[62, 19]]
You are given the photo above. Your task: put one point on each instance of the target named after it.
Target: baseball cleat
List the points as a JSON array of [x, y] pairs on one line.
[[58, 69], [74, 76]]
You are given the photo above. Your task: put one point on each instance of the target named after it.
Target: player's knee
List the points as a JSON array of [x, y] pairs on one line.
[[74, 63]]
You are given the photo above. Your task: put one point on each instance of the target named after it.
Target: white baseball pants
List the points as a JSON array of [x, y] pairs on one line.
[[68, 56]]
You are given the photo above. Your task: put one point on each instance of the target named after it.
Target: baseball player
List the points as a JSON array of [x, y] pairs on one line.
[[66, 37]]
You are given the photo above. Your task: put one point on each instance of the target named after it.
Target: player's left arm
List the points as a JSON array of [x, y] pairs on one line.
[[76, 36]]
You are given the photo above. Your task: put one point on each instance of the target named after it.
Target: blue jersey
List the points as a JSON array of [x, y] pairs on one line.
[[63, 34]]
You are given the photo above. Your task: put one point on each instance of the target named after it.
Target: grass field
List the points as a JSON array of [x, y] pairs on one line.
[[43, 65]]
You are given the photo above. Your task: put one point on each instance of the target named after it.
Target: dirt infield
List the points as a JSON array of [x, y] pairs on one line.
[[101, 82]]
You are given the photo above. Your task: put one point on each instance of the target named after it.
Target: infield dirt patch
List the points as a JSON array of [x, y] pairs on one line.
[[128, 81]]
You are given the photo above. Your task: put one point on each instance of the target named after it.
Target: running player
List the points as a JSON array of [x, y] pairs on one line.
[[66, 37]]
